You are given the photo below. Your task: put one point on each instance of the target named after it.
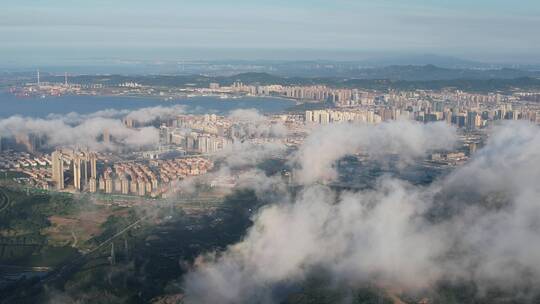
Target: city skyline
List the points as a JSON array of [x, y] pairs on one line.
[[59, 31]]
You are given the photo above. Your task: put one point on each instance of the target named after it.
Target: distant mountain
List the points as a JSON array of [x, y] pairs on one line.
[[432, 72], [411, 67], [423, 59], [412, 71]]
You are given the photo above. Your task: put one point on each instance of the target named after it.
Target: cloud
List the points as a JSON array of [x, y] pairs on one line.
[[396, 234], [329, 143], [245, 154], [249, 123], [240, 157], [255, 139], [247, 115], [343, 234], [267, 188], [85, 130], [146, 115], [143, 115]]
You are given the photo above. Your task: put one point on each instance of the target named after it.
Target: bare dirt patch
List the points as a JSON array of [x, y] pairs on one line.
[[75, 230]]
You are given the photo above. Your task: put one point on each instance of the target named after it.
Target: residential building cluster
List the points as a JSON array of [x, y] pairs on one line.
[[76, 170], [315, 93], [34, 168], [152, 178], [11, 159], [210, 133], [470, 111]]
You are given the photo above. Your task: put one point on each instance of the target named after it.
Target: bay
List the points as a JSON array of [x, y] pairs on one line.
[[11, 105]]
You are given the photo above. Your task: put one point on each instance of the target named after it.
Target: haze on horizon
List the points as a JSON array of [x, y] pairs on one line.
[[60, 31]]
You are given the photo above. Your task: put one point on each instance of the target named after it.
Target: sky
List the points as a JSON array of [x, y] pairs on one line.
[[56, 30]]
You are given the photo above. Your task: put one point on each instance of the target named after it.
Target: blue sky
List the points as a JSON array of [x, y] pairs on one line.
[[488, 30]]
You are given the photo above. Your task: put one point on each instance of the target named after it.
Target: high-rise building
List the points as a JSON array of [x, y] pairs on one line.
[[108, 185], [324, 117], [309, 116], [133, 186], [101, 184], [141, 188], [478, 121], [93, 165], [77, 163], [92, 185], [460, 120], [58, 169], [386, 114], [106, 136], [190, 143], [207, 144], [438, 106], [84, 167], [125, 185], [118, 185]]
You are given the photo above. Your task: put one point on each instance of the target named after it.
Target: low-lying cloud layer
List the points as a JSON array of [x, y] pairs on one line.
[[328, 144], [480, 223], [88, 130], [250, 123]]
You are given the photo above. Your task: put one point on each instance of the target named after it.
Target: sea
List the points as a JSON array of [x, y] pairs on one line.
[[38, 107]]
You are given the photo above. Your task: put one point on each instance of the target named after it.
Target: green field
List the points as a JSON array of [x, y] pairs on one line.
[[22, 218]]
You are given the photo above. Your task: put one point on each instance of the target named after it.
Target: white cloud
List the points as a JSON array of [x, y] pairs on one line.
[[328, 144], [396, 234]]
